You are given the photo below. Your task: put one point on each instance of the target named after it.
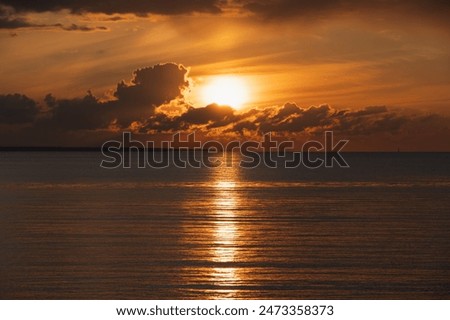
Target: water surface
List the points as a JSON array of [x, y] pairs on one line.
[[71, 230]]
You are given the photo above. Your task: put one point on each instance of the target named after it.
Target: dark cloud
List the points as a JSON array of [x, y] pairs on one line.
[[10, 20], [75, 27], [370, 120], [19, 23], [78, 114], [373, 119], [209, 117], [153, 85], [136, 101], [210, 114], [281, 9], [17, 109], [149, 88], [138, 7], [286, 8], [264, 8], [6, 23], [139, 106], [242, 127], [370, 111], [290, 119], [298, 120], [114, 18]]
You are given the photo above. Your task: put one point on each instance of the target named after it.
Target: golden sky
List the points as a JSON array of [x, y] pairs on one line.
[[347, 55]]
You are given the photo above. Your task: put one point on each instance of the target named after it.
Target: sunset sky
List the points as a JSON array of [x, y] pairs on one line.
[[79, 72]]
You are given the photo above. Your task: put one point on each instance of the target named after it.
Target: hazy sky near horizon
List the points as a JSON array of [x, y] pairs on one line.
[[348, 55]]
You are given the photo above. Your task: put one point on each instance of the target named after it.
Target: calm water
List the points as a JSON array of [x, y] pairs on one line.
[[69, 229]]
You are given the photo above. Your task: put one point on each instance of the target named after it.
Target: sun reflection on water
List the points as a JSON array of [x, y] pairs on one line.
[[225, 233]]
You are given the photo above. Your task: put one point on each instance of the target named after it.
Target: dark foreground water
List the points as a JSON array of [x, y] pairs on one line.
[[71, 230]]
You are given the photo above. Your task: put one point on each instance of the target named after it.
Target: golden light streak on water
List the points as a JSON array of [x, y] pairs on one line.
[[225, 236]]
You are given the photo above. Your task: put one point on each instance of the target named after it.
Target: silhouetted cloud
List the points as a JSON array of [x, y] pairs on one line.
[[136, 101], [138, 7], [18, 23], [286, 8], [114, 18], [149, 88], [212, 113], [10, 20], [288, 119], [208, 117], [75, 27], [85, 113], [138, 106], [153, 85], [17, 109], [6, 23], [282, 9], [292, 118], [265, 8], [370, 120]]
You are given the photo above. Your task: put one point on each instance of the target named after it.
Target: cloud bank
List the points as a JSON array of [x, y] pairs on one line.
[[134, 101], [282, 9], [10, 20], [141, 105], [14, 13], [17, 109], [138, 7]]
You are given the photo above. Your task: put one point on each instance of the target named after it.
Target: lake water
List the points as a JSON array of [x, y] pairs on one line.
[[72, 230]]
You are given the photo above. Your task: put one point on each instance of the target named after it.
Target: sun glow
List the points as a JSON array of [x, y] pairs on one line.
[[226, 90]]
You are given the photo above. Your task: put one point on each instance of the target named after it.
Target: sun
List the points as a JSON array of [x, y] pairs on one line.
[[226, 90]]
